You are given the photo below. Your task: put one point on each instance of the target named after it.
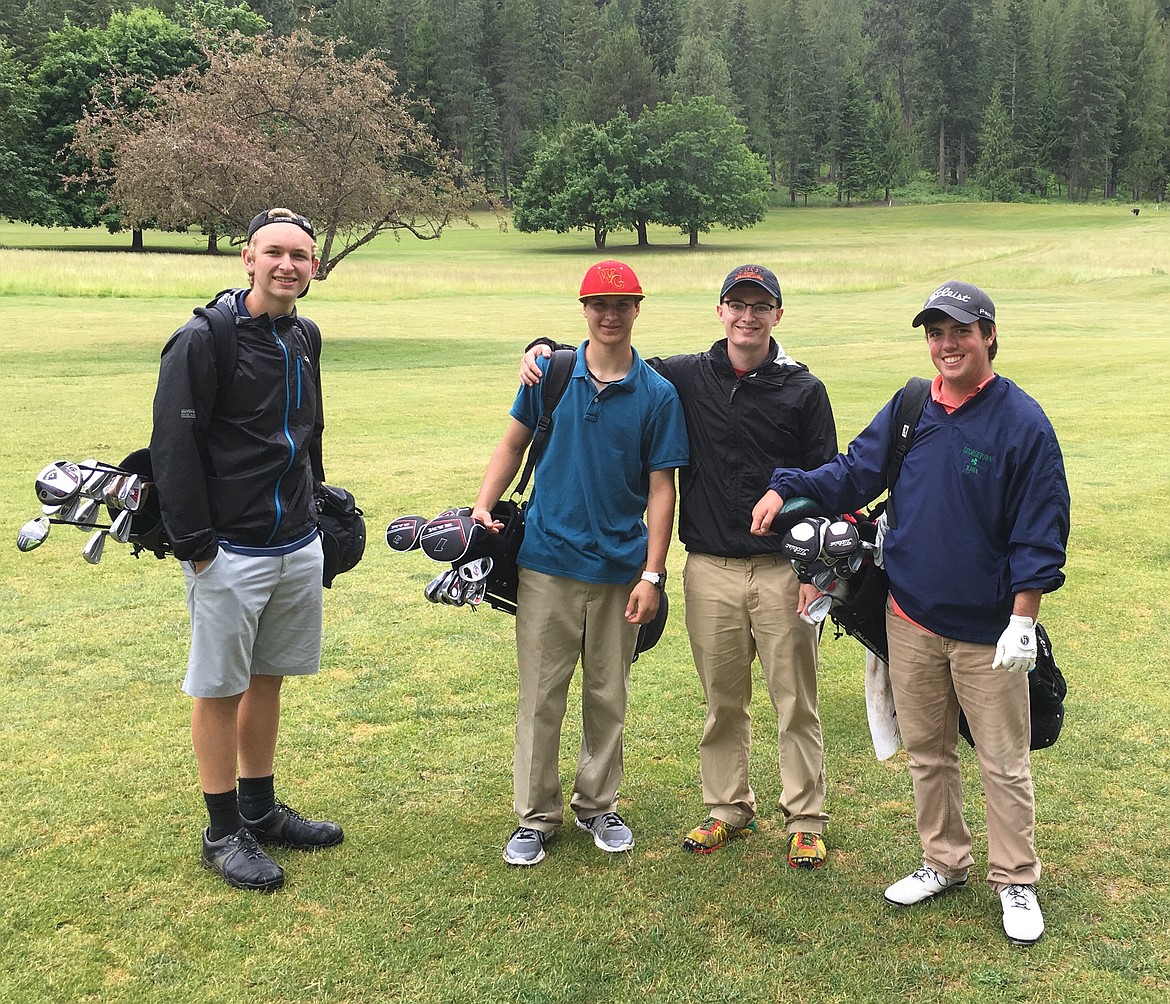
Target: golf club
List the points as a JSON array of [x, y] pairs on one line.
[[817, 610], [476, 570], [403, 532], [33, 534], [131, 494], [122, 525], [802, 542], [433, 588], [95, 479], [840, 540], [92, 552], [59, 482], [86, 513], [449, 538]]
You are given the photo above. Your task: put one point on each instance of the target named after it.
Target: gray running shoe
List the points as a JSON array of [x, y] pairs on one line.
[[610, 833], [526, 847]]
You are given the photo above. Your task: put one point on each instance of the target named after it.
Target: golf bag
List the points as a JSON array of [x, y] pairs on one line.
[[862, 615], [147, 532], [503, 547], [1046, 693], [342, 529]]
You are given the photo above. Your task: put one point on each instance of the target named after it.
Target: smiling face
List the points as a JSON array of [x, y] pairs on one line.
[[749, 313], [280, 261], [611, 318], [960, 352]]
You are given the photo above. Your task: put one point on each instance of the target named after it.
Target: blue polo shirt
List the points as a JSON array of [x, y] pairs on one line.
[[592, 480]]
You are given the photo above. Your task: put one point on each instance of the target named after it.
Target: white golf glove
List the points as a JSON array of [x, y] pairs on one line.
[[1016, 649]]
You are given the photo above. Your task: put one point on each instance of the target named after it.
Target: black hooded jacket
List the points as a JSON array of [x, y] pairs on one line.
[[237, 463], [741, 429]]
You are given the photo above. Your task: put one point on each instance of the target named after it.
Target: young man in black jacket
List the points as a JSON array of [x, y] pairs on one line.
[[746, 403], [235, 467]]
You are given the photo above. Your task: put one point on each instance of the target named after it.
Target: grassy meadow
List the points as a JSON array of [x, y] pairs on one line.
[[406, 735]]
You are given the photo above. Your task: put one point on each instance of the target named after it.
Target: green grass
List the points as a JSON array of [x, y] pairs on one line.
[[405, 737]]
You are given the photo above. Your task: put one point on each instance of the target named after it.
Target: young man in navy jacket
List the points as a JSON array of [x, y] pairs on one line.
[[982, 520]]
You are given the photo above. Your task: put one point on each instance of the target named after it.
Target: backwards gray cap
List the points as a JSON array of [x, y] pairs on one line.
[[959, 300]]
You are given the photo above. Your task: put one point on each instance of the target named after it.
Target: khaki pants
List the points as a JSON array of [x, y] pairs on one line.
[[738, 608], [932, 677], [559, 621]]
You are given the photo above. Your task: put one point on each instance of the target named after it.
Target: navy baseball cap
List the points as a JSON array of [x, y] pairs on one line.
[[765, 278], [959, 300]]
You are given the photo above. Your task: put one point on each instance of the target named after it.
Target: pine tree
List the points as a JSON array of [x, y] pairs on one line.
[[1143, 141], [1092, 97], [995, 168]]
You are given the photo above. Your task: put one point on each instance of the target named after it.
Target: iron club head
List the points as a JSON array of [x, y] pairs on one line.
[[92, 552], [86, 513], [120, 528]]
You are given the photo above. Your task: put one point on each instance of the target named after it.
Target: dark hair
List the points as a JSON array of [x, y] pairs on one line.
[[987, 328]]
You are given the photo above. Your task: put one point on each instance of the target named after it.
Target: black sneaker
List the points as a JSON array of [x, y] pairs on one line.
[[242, 862], [284, 825]]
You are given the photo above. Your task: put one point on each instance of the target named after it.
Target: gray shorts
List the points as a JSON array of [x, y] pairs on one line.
[[253, 614]]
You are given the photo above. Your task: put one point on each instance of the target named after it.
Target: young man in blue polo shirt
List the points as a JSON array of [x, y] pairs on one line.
[[591, 570]]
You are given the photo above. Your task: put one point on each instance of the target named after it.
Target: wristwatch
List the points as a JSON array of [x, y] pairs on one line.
[[655, 579]]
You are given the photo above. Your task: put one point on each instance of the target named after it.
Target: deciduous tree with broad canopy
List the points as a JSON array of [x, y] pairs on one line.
[[279, 122], [682, 164]]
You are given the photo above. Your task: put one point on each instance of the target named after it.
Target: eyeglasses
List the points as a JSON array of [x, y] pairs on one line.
[[757, 309]]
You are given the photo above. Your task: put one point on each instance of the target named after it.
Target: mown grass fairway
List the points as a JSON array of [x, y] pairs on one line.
[[406, 735]]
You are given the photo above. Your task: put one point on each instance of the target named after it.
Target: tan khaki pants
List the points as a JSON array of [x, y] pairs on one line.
[[932, 677], [737, 609], [559, 621]]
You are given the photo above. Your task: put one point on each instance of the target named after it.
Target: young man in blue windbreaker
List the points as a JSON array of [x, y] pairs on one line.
[[982, 520]]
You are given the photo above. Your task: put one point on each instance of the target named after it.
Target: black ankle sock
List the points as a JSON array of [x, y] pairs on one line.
[[257, 796], [224, 810]]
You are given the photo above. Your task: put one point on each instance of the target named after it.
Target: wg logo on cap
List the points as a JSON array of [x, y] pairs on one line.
[[612, 277]]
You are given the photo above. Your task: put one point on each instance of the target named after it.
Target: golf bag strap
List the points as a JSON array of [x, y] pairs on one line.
[[552, 389], [223, 335], [914, 397]]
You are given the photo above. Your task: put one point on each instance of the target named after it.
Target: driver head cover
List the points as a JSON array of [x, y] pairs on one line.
[[449, 538]]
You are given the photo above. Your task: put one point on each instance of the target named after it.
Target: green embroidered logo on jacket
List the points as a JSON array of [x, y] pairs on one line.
[[977, 462]]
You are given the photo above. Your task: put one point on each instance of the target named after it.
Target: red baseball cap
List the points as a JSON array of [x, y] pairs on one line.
[[611, 278]]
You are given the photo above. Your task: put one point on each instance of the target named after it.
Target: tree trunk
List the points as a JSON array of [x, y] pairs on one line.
[[962, 179], [904, 98], [136, 240], [599, 237], [694, 241], [942, 154], [212, 242], [643, 237]]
